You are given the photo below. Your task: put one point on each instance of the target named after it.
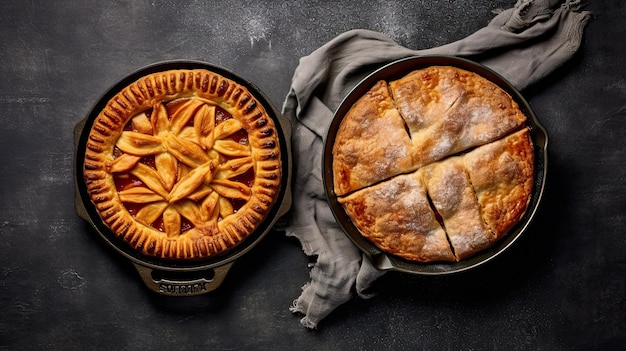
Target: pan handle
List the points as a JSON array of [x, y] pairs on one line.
[[183, 287]]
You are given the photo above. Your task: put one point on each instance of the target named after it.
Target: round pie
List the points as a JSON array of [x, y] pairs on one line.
[[183, 164], [435, 166]]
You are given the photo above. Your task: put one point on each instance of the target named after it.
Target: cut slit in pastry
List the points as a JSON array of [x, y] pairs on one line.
[[396, 216], [477, 198], [454, 200]]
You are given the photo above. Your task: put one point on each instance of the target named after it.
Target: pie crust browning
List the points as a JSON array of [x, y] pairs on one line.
[[371, 142], [396, 216], [448, 110], [449, 210], [501, 174], [183, 164]]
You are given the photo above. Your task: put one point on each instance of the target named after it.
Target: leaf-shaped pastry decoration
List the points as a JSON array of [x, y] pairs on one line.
[[204, 124], [209, 206], [160, 121], [124, 163], [139, 195], [226, 207], [200, 193], [196, 157], [185, 151], [171, 221], [183, 113], [231, 148], [141, 124], [139, 144], [183, 169], [189, 134], [151, 212], [227, 128], [189, 210], [150, 178], [167, 167], [190, 182], [234, 167], [231, 189]]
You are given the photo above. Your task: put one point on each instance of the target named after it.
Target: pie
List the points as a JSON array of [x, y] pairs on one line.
[[183, 164], [435, 166]]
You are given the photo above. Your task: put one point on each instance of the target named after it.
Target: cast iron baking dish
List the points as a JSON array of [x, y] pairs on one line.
[[181, 278], [396, 70]]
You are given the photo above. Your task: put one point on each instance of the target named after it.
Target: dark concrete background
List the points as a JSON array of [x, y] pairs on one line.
[[561, 287]]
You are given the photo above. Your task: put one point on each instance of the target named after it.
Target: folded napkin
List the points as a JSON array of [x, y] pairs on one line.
[[523, 44]]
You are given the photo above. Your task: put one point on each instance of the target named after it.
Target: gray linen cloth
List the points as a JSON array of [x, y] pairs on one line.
[[523, 44]]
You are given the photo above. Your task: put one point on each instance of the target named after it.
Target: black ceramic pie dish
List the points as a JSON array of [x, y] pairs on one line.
[[396, 70], [181, 277]]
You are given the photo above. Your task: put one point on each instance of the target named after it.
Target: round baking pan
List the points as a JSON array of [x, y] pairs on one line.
[[181, 277], [396, 70]]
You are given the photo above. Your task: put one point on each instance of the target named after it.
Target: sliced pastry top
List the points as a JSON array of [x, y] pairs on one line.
[[451, 209], [454, 200], [448, 110], [371, 143], [396, 216], [437, 165], [501, 174]]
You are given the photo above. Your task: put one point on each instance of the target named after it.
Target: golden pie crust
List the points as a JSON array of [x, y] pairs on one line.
[[183, 164], [454, 200], [435, 166], [372, 143], [429, 114], [395, 215]]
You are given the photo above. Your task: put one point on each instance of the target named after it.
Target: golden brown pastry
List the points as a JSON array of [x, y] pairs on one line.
[[371, 143], [454, 200], [448, 110], [395, 215], [183, 164], [502, 176]]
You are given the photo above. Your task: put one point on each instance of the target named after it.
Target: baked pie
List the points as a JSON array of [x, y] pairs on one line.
[[183, 164], [435, 166]]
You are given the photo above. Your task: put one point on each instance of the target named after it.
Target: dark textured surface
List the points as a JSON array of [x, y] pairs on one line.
[[561, 287]]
